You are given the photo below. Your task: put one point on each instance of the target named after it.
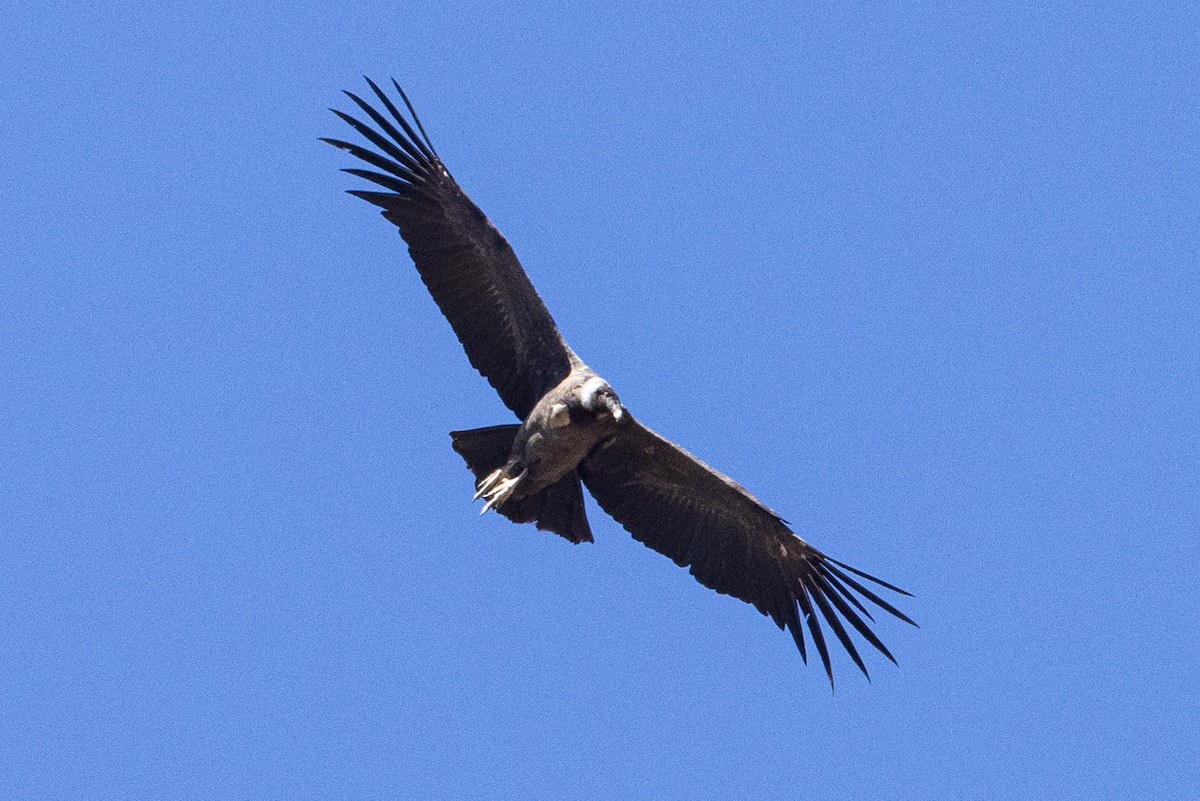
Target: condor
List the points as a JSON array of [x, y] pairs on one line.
[[573, 426]]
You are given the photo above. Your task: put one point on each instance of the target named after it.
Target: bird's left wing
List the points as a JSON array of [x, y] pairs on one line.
[[467, 265], [674, 503]]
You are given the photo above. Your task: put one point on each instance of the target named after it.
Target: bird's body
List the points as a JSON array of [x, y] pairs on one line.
[[565, 425], [574, 430]]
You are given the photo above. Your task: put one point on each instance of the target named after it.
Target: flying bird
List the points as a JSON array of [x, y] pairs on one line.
[[573, 428]]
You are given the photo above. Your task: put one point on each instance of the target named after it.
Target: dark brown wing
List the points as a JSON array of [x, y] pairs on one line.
[[466, 263], [674, 503]]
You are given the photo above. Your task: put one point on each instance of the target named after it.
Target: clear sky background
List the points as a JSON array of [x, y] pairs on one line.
[[925, 281]]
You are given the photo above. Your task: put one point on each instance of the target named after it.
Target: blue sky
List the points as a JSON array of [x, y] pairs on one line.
[[923, 280]]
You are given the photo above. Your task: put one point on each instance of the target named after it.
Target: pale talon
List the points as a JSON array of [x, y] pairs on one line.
[[497, 494], [485, 484]]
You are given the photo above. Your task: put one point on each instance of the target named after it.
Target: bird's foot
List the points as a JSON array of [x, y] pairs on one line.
[[496, 490], [486, 484]]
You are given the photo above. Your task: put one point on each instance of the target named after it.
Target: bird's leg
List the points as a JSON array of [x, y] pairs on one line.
[[498, 492]]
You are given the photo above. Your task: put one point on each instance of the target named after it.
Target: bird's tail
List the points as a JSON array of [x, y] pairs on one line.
[[557, 508]]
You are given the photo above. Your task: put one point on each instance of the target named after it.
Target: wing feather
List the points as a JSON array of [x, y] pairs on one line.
[[467, 265], [731, 542]]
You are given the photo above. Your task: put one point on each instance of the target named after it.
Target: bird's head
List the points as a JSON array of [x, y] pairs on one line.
[[599, 399]]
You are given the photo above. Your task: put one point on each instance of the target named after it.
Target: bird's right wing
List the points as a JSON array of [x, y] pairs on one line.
[[467, 264], [674, 503]]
